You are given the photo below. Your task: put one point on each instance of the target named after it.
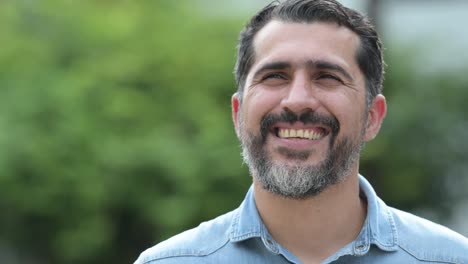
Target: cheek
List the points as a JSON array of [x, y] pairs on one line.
[[349, 111], [257, 104]]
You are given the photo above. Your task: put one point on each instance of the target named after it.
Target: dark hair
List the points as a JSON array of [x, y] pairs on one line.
[[369, 55]]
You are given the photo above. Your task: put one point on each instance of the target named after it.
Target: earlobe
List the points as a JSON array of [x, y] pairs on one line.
[[377, 112], [235, 104]]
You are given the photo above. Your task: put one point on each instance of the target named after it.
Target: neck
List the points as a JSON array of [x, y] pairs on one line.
[[314, 228]]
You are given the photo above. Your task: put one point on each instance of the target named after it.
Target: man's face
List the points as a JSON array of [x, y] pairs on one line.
[[303, 116]]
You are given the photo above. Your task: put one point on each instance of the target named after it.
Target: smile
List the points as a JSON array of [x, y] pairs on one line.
[[315, 133]]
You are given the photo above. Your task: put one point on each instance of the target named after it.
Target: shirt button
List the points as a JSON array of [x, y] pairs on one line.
[[360, 249], [270, 245]]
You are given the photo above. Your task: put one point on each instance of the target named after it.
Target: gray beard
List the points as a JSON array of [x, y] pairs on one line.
[[299, 181]]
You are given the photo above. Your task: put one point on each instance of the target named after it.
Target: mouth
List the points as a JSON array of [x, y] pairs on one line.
[[302, 133]]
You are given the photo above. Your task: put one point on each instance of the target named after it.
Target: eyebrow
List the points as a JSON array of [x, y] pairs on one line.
[[325, 65], [310, 64]]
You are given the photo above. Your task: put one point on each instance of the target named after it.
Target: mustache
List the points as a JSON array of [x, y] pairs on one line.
[[309, 117]]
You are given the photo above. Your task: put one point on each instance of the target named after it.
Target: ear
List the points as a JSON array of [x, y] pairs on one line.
[[376, 114], [235, 104]]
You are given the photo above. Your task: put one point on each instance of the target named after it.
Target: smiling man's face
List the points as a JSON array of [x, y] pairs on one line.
[[303, 116]]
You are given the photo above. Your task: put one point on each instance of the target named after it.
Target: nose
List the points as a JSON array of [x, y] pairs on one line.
[[300, 96]]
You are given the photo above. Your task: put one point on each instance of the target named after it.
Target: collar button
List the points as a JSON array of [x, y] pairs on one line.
[[360, 249]]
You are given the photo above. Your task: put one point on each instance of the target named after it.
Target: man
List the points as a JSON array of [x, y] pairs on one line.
[[309, 76]]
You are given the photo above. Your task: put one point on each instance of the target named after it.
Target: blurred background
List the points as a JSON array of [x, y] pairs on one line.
[[116, 133]]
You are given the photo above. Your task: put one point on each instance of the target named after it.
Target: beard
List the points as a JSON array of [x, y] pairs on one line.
[[299, 180]]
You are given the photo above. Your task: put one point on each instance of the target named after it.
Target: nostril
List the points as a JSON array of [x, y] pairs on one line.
[[291, 116], [300, 103]]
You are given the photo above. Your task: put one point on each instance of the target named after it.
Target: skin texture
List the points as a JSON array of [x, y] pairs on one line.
[[299, 68]]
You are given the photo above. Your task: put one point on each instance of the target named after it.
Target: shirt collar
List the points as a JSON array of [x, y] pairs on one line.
[[246, 221], [247, 224], [379, 227]]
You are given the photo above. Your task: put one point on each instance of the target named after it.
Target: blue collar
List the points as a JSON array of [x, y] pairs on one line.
[[247, 224], [379, 227]]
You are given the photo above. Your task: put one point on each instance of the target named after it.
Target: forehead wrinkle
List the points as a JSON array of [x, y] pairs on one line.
[[264, 41]]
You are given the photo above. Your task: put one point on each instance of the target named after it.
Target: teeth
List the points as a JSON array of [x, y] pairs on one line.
[[292, 133], [300, 133]]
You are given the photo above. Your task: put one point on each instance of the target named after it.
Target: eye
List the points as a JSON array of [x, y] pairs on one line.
[[329, 76], [274, 79], [274, 76], [328, 79]]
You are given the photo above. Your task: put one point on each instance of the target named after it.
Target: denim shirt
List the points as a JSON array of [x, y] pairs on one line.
[[239, 237]]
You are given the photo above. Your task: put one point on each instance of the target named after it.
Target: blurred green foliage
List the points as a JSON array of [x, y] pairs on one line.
[[116, 129]]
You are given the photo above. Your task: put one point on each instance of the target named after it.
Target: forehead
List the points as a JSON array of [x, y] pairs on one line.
[[298, 42]]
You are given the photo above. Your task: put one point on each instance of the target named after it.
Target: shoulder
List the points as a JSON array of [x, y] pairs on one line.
[[203, 240], [428, 241]]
